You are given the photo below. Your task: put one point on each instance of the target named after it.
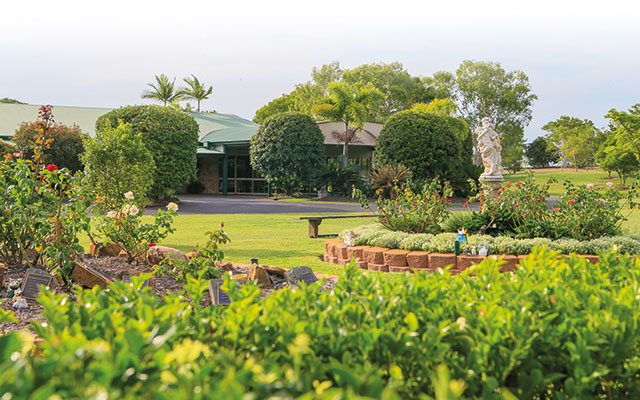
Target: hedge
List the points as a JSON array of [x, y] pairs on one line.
[[377, 235], [553, 329]]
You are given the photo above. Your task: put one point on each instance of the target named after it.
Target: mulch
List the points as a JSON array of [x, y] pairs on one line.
[[110, 266]]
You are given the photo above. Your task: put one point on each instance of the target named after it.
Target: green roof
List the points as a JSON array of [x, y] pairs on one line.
[[214, 127]]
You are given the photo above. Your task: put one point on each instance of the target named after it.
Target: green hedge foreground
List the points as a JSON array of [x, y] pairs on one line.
[[377, 235], [552, 330]]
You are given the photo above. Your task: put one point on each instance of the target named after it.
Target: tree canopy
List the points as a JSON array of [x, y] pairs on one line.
[[540, 153], [163, 90], [576, 140], [195, 90]]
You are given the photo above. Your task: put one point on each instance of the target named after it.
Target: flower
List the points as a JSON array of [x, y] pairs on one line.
[[524, 215], [462, 323], [590, 186], [447, 200], [516, 205], [172, 206], [556, 209], [112, 214], [17, 154], [538, 200], [610, 184], [51, 167], [466, 204], [221, 224], [129, 195], [571, 201], [151, 244], [134, 210]]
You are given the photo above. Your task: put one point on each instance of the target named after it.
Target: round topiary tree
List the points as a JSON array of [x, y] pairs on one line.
[[428, 144], [286, 149], [65, 149], [172, 137]]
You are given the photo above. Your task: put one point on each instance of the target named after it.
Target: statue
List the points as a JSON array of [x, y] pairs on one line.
[[490, 149]]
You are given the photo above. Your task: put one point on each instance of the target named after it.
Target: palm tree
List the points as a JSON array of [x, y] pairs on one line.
[[349, 105], [197, 90], [163, 90]]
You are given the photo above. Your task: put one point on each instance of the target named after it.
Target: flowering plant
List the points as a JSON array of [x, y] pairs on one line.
[[126, 227], [413, 211], [202, 264]]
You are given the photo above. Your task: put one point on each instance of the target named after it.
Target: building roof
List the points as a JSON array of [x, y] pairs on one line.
[[214, 127]]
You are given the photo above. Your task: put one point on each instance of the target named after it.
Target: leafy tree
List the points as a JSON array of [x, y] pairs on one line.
[[575, 139], [10, 101], [116, 162], [197, 90], [282, 104], [485, 89], [286, 150], [407, 135], [64, 150], [400, 89], [443, 107], [6, 148], [540, 153], [163, 90], [626, 126], [172, 137], [618, 157], [352, 107]]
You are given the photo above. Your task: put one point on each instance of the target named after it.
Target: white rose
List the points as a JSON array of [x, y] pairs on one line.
[[129, 195], [112, 214], [172, 206], [134, 210]]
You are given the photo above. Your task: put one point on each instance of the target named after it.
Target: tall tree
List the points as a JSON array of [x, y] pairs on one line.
[[163, 90], [196, 90], [351, 106], [540, 153], [485, 89], [626, 126], [575, 139]]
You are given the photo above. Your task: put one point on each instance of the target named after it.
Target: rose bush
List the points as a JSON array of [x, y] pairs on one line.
[[125, 227]]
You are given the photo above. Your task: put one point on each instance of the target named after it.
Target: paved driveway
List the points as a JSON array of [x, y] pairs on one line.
[[235, 204]]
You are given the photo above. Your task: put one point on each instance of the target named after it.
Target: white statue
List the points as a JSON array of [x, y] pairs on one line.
[[490, 149], [349, 239]]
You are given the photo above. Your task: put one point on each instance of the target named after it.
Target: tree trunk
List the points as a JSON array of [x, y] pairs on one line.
[[575, 162], [198, 105]]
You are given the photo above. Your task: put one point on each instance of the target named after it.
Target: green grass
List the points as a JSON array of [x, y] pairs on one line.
[[277, 239], [582, 177]]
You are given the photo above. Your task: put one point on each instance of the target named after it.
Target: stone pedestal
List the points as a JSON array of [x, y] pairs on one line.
[[491, 186]]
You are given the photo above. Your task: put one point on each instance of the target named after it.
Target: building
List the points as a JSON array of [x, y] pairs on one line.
[[223, 155]]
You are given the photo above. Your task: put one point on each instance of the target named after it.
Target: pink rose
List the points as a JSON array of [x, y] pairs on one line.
[[610, 184], [590, 186]]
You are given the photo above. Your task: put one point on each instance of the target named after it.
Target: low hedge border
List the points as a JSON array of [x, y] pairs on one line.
[[378, 236], [395, 260]]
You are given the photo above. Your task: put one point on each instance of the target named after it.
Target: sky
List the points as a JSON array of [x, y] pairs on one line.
[[581, 57]]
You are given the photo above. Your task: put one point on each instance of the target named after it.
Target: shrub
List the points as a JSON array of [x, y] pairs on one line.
[[117, 161], [63, 150], [415, 242], [195, 187], [390, 240], [286, 150], [169, 134], [441, 243], [202, 265], [125, 228], [553, 329], [7, 148], [337, 178], [386, 177], [457, 221], [412, 211], [407, 134]]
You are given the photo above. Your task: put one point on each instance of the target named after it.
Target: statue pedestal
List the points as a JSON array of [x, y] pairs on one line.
[[492, 186]]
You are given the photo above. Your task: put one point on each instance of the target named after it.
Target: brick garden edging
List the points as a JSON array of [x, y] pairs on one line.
[[395, 260]]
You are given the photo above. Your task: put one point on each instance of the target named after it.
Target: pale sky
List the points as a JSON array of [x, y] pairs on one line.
[[581, 57]]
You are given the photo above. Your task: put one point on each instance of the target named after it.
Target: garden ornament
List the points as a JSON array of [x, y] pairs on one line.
[[483, 252], [349, 239], [490, 149], [20, 303], [462, 235]]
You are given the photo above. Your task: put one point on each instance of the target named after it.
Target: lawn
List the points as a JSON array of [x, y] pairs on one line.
[[276, 239], [582, 177]]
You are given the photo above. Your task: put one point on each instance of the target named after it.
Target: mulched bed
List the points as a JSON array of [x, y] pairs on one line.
[[110, 266]]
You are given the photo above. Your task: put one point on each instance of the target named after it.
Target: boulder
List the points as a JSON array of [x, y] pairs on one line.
[[110, 249], [302, 273], [224, 265], [126, 274], [260, 275], [396, 258], [441, 260], [156, 254], [374, 255], [274, 270], [418, 259]]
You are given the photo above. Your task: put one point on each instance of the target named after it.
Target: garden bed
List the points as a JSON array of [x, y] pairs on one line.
[[110, 267]]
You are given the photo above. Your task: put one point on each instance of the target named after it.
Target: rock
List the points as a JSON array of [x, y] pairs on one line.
[[259, 274], [156, 254], [418, 259], [224, 265], [94, 249], [110, 249], [89, 277], [298, 274], [123, 254], [374, 255], [274, 270], [191, 254], [396, 258], [125, 275]]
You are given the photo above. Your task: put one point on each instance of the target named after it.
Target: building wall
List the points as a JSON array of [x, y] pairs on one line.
[[208, 174]]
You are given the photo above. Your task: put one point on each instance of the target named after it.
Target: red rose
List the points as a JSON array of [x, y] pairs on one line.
[[571, 201], [556, 209], [538, 200], [466, 204], [221, 224], [51, 167], [447, 200], [151, 244], [524, 215]]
